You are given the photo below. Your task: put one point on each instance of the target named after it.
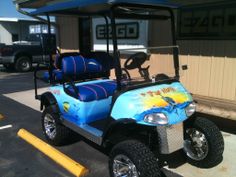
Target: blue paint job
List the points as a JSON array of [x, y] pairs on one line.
[[137, 103], [170, 99], [80, 112]]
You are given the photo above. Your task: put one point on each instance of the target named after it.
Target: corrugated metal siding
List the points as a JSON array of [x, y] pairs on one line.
[[211, 67]]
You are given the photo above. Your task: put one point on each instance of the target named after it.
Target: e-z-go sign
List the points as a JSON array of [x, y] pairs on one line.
[[129, 30], [130, 34]]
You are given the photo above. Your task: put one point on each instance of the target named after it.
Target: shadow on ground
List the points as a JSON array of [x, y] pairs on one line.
[[225, 125]]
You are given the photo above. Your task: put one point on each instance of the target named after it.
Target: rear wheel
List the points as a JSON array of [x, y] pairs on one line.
[[132, 158], [55, 133], [204, 143], [23, 64]]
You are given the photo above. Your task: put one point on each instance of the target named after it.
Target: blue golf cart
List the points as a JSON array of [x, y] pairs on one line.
[[138, 119]]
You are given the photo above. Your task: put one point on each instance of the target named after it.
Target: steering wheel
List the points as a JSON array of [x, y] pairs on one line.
[[135, 61]]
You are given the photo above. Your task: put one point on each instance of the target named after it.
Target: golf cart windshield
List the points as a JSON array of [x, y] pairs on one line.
[[147, 65]]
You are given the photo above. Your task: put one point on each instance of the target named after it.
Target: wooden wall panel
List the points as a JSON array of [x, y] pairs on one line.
[[211, 67], [204, 67], [229, 83], [217, 70]]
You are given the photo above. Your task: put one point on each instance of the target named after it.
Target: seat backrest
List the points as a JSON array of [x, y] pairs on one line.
[[58, 60], [92, 66], [103, 58]]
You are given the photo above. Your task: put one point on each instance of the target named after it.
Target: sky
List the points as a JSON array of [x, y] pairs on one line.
[[7, 9]]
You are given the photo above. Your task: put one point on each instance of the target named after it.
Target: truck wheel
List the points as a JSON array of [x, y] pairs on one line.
[[131, 158], [55, 133], [23, 64], [204, 143]]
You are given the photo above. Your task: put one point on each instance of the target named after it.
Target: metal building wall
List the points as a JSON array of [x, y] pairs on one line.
[[212, 67], [211, 63]]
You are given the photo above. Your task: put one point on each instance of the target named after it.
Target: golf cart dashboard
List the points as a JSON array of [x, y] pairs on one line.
[[159, 79]]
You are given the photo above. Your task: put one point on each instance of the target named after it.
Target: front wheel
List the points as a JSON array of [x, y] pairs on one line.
[[204, 143], [132, 158]]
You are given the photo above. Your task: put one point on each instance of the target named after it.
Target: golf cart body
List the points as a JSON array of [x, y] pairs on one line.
[[107, 111], [84, 103]]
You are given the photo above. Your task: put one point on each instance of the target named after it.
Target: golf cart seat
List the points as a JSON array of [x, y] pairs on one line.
[[81, 67], [86, 67], [95, 65], [57, 74], [97, 90]]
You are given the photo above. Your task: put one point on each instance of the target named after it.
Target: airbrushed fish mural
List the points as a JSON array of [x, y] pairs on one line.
[[170, 99], [163, 97]]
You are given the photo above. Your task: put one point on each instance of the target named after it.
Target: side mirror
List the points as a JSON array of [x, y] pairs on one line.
[[184, 67]]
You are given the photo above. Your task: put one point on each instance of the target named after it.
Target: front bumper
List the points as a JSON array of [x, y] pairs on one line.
[[171, 138], [6, 59]]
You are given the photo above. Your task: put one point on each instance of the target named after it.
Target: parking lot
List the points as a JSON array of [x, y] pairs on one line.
[[19, 110]]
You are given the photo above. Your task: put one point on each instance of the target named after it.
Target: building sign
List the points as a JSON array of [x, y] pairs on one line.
[[208, 21], [130, 34], [129, 30]]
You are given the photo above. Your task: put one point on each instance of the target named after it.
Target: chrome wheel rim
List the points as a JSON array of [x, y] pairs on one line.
[[124, 167], [50, 126], [196, 145], [25, 65]]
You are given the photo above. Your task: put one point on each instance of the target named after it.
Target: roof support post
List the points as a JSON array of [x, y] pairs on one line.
[[50, 48], [116, 54], [175, 50], [107, 33]]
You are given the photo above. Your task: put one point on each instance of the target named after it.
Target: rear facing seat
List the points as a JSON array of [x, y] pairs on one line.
[[76, 66], [81, 67], [94, 65]]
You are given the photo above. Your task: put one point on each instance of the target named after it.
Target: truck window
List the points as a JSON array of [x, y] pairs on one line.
[[34, 39]]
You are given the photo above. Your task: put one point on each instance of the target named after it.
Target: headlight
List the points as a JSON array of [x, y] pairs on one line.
[[156, 118], [190, 109]]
